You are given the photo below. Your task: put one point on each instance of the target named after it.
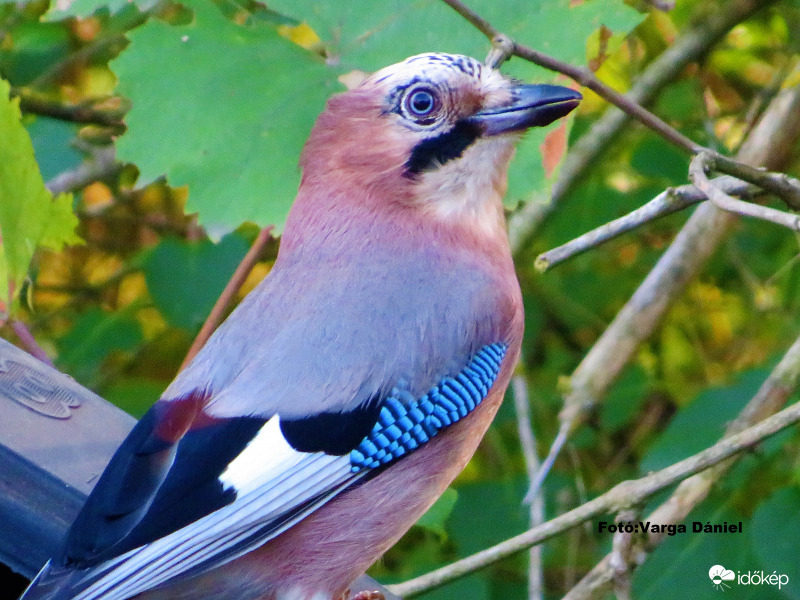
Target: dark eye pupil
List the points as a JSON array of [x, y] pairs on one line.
[[421, 102]]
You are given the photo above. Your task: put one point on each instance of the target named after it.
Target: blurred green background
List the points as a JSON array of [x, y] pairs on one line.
[[207, 105]]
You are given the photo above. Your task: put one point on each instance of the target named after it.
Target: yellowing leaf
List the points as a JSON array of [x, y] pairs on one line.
[[553, 148], [29, 217], [302, 35], [59, 226]]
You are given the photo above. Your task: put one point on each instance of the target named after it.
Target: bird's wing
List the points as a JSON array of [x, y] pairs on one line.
[[187, 492]]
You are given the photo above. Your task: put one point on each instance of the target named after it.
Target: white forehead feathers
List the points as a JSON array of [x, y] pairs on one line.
[[439, 69]]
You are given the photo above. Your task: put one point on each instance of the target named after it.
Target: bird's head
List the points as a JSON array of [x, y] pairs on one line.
[[436, 131]]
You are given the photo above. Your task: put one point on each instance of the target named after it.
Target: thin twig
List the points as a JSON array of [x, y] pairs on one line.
[[109, 45], [624, 554], [769, 143], [772, 394], [83, 112], [697, 173], [502, 48], [621, 496], [743, 180], [786, 188], [536, 512], [583, 76], [102, 166], [233, 285], [31, 345], [710, 26], [666, 203]]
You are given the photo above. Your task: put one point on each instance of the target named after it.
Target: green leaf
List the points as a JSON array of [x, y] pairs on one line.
[[682, 562], [392, 30], [92, 338], [134, 395], [29, 216], [701, 423], [436, 516], [186, 278], [224, 109], [52, 143], [773, 531]]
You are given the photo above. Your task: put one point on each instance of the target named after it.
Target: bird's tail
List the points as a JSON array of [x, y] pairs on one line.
[[52, 583]]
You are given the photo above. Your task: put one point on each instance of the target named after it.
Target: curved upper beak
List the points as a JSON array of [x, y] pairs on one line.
[[533, 105]]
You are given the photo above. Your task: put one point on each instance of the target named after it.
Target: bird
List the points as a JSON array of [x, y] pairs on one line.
[[352, 385]]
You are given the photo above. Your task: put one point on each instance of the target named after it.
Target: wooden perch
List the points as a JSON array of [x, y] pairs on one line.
[[56, 437]]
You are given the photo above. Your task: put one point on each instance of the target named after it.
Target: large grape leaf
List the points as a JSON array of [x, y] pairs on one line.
[[388, 31], [29, 216], [394, 29], [224, 109]]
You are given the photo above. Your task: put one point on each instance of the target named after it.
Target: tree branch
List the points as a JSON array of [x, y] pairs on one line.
[[667, 202], [536, 512], [83, 112], [689, 47], [622, 496], [697, 173], [693, 246], [102, 166], [675, 199], [772, 394]]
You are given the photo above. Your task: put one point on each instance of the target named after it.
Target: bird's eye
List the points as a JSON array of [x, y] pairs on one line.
[[420, 102]]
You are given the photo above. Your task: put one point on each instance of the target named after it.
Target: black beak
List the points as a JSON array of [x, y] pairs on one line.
[[532, 106]]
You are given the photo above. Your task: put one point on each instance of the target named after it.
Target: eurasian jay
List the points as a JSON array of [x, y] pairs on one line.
[[345, 393]]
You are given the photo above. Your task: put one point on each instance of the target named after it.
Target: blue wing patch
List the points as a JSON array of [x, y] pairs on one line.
[[402, 428]]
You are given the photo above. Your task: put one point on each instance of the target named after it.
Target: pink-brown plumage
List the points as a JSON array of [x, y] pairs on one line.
[[259, 473]]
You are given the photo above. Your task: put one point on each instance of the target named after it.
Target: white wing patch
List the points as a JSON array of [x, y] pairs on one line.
[[271, 480], [267, 455]]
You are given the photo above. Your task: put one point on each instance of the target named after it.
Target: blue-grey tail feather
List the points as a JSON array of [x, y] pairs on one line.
[[56, 582]]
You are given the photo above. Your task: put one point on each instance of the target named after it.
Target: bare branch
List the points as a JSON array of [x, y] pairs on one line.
[[31, 345], [667, 202], [689, 47], [774, 392], [697, 173], [536, 512], [624, 554], [675, 199], [693, 246], [784, 187], [502, 48], [622, 496], [84, 112], [102, 166]]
